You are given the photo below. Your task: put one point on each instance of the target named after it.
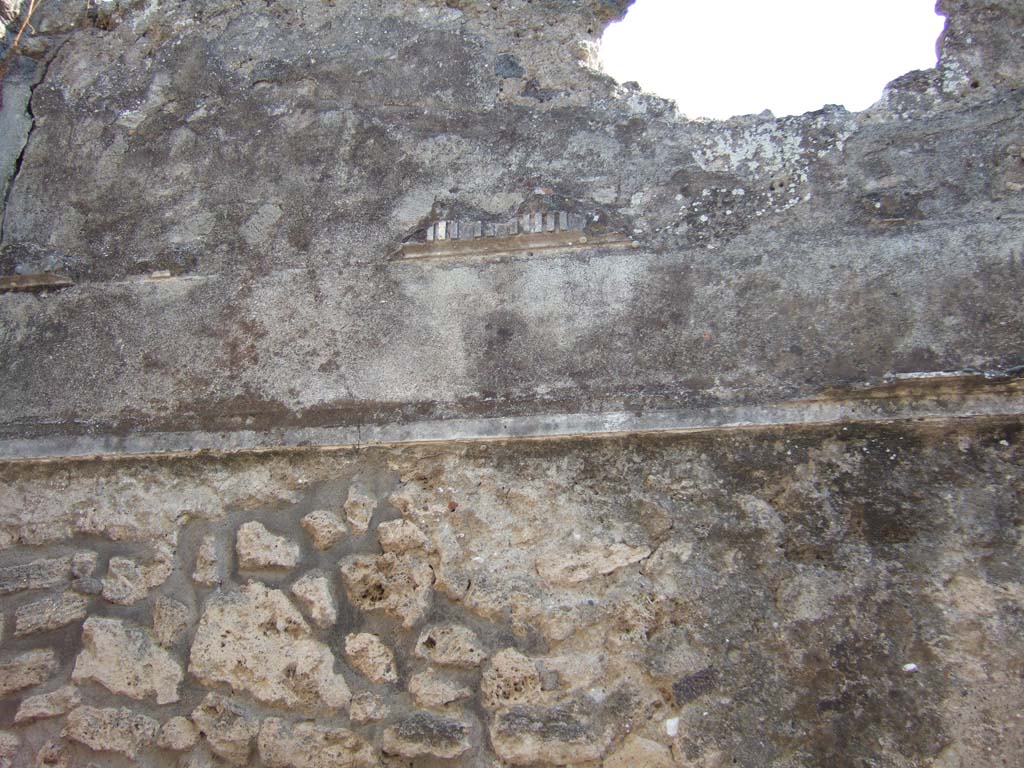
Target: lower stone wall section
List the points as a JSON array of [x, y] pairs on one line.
[[841, 596]]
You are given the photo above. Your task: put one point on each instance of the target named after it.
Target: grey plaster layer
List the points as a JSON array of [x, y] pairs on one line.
[[931, 399], [272, 157], [15, 120]]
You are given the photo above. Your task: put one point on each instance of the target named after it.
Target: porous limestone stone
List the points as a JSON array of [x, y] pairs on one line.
[[510, 678], [83, 564], [49, 613], [450, 645], [563, 569], [571, 670], [110, 729], [43, 573], [9, 743], [423, 734], [54, 753], [177, 734], [367, 707], [313, 592], [399, 585], [171, 618], [308, 745], [637, 751], [368, 655], [124, 659], [208, 570], [561, 735], [52, 704], [26, 669], [400, 536], [256, 641], [228, 727], [128, 581], [429, 689], [359, 509], [125, 582], [694, 684], [259, 548], [325, 528]]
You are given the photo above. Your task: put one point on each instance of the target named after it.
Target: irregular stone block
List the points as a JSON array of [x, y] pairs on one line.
[[367, 707], [170, 620], [127, 581], [9, 743], [423, 734], [259, 548], [38, 574], [325, 528], [53, 704], [360, 506], [124, 659], [400, 536], [308, 745], [429, 689], [563, 735], [510, 678], [507, 66], [314, 594], [55, 753], [229, 728], [693, 686], [208, 570], [83, 564], [49, 613], [256, 641], [111, 729], [450, 645], [571, 670], [637, 751], [26, 669], [565, 569], [368, 655], [177, 734], [398, 585]]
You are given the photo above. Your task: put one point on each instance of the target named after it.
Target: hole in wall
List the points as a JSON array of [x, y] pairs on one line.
[[737, 57]]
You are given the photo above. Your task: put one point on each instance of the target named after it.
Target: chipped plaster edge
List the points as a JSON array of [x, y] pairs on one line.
[[1001, 400]]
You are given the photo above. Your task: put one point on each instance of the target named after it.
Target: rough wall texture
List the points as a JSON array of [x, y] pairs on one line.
[[272, 155], [227, 183], [835, 597]]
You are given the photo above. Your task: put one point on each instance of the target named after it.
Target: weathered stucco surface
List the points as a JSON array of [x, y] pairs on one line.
[[271, 157], [227, 184]]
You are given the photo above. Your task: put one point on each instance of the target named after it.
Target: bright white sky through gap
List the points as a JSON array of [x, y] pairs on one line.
[[719, 58]]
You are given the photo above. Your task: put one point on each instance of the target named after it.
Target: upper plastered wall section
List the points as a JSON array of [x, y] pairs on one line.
[[271, 157]]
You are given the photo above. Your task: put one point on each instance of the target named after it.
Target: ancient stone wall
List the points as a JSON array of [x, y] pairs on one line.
[[840, 596], [382, 385]]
